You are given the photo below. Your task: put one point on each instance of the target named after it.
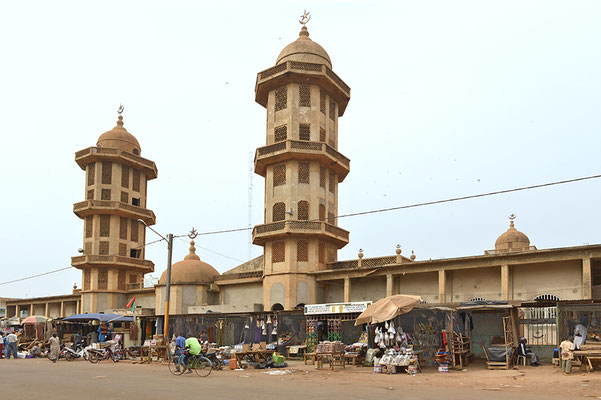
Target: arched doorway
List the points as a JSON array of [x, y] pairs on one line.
[[277, 307]]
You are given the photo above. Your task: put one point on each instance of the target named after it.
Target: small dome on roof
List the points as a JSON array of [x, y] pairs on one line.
[[304, 49], [512, 239], [190, 270], [119, 138]]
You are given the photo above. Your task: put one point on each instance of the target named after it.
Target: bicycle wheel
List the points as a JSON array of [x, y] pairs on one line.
[[93, 357], [203, 366], [69, 357], [217, 365], [176, 366]]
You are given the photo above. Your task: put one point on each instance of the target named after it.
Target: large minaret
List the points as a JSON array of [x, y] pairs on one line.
[[302, 169], [113, 240]]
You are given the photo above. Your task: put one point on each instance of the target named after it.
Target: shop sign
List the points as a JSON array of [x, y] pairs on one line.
[[336, 308]]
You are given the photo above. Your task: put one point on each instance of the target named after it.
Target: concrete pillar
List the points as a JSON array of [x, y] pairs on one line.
[[505, 282], [46, 312], [587, 290], [442, 286], [347, 289], [62, 309], [18, 311], [389, 284], [78, 307], [31, 309]]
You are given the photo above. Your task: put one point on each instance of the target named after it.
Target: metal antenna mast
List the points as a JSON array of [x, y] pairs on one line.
[[250, 203]]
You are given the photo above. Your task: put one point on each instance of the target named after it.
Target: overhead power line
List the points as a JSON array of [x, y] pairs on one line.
[[427, 203], [66, 268], [209, 250]]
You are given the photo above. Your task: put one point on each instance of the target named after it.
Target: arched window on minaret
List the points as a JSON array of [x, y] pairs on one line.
[[303, 210], [278, 212]]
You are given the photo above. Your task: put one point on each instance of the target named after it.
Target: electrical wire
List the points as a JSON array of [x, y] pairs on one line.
[[427, 203], [66, 268], [209, 250]]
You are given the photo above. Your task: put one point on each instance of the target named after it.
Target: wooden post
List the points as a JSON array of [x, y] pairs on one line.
[[442, 286], [347, 289], [505, 282], [587, 291]]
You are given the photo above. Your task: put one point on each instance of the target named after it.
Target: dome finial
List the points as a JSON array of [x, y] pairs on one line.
[[192, 248], [306, 17], [120, 111], [511, 218]]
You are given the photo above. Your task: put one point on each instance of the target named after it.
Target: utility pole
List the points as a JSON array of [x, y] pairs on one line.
[[168, 288]]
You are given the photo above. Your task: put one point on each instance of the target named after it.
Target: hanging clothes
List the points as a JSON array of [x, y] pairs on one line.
[[247, 331], [220, 328], [257, 331]]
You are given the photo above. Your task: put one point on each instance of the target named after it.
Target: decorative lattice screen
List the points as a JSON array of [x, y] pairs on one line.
[[125, 176], [304, 94], [134, 230], [124, 197], [304, 131], [90, 195], [322, 135], [105, 225], [279, 175], [332, 182], [105, 194], [122, 249], [303, 210], [322, 177], [123, 228], [103, 279], [91, 173], [302, 250], [322, 212], [281, 98], [303, 172], [332, 110], [280, 133], [322, 101], [107, 173], [278, 212], [136, 180], [121, 280], [104, 248], [87, 279], [278, 252], [322, 252]]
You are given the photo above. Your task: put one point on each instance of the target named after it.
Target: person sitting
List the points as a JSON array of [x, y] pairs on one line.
[[526, 352], [194, 349], [566, 349]]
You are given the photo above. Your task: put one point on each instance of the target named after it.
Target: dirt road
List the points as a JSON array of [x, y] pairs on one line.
[[37, 378]]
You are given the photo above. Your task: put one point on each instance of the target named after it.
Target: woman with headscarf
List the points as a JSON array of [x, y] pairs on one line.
[[55, 347]]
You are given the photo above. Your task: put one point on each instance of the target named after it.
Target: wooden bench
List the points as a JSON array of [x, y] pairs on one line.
[[309, 355]]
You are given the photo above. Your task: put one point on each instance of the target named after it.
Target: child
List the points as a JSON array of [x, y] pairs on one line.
[[566, 349]]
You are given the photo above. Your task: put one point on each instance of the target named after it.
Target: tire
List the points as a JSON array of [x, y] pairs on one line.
[[93, 357], [203, 366], [173, 366], [69, 357], [217, 365]]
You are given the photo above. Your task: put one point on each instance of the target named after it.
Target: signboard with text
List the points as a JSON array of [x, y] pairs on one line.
[[337, 308]]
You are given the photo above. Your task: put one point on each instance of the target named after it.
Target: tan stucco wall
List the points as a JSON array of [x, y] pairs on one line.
[[368, 289], [243, 294], [469, 283], [563, 279], [424, 285]]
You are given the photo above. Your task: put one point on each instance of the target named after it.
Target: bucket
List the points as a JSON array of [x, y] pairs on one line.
[[412, 369], [378, 369], [391, 369], [443, 368], [233, 363]]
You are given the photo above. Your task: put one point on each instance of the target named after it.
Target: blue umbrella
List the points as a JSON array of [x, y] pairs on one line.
[[98, 317]]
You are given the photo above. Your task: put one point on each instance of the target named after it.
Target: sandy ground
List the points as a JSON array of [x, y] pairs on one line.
[[34, 378]]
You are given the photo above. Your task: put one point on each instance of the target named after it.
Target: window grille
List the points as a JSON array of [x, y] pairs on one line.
[[331, 255], [134, 230], [125, 176], [107, 173], [331, 219], [322, 212], [303, 172], [303, 210], [304, 132], [279, 175], [90, 195], [322, 252], [322, 135], [332, 141], [124, 197], [302, 250], [281, 98], [123, 228], [278, 212], [121, 280], [89, 225], [87, 248], [104, 248], [477, 299], [122, 249], [278, 252], [332, 110], [136, 180], [550, 297], [133, 278], [304, 94], [332, 182], [105, 194], [322, 177], [103, 279], [280, 133], [91, 173], [87, 279], [105, 225], [322, 101]]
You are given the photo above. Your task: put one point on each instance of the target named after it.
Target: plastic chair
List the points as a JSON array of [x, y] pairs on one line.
[[521, 359]]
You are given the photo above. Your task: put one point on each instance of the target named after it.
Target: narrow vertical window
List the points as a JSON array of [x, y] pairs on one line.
[[322, 135], [125, 176], [322, 101], [281, 98], [322, 177], [303, 172], [322, 212], [105, 225], [278, 212], [91, 173], [280, 133], [105, 194], [302, 250], [89, 226], [279, 175], [332, 110], [303, 210], [134, 230], [278, 252], [332, 182], [304, 132], [136, 181], [90, 195], [107, 173], [123, 228]]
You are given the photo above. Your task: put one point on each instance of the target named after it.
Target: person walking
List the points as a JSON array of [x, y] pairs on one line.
[[55, 347], [566, 349], [12, 340]]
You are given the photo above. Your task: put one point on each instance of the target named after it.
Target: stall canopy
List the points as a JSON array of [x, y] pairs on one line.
[[34, 319], [98, 317], [387, 308]]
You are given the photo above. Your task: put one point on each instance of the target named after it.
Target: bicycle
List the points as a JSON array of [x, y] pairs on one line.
[[199, 364]]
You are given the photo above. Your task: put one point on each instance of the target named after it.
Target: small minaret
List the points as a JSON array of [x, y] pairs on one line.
[[113, 240], [302, 169]]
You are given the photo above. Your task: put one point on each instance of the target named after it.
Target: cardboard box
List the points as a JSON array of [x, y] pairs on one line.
[[245, 348], [263, 345]]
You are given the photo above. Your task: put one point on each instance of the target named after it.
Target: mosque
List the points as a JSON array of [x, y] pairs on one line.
[[302, 167]]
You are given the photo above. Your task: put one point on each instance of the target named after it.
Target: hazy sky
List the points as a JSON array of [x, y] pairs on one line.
[[448, 98]]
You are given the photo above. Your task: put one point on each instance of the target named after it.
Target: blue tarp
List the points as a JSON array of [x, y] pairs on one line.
[[98, 317]]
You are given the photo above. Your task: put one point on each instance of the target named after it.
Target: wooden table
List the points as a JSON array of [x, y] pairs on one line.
[[331, 358], [301, 351], [354, 358], [586, 356]]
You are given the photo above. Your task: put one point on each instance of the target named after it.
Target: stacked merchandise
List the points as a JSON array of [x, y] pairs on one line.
[[442, 359], [393, 358], [330, 347]]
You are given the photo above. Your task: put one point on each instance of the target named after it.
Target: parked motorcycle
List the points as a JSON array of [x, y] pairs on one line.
[[112, 353], [71, 354]]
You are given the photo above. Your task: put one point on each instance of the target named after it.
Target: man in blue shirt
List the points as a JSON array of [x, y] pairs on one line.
[[180, 345]]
